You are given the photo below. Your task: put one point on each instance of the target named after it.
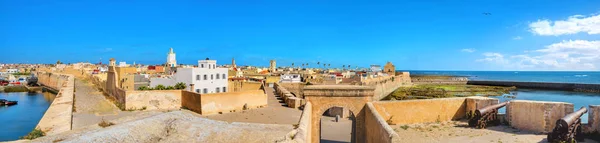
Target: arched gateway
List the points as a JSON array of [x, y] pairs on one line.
[[323, 97]]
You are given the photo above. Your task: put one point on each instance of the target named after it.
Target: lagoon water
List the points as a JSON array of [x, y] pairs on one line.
[[579, 99], [20, 119]]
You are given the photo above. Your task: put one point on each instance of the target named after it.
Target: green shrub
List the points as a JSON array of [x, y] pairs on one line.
[[180, 85], [160, 87], [15, 89], [170, 88], [36, 133]]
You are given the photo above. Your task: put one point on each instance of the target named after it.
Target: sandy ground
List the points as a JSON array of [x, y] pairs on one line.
[[456, 131], [91, 107], [336, 132], [274, 113]]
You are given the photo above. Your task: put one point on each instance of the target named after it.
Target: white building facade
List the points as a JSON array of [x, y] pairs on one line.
[[290, 78], [206, 78]]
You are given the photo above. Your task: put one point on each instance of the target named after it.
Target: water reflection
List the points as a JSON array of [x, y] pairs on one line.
[[20, 119]]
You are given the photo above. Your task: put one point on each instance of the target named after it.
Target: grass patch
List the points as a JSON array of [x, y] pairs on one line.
[[36, 133], [443, 91]]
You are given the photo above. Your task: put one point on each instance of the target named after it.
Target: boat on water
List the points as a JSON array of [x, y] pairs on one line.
[[7, 103]]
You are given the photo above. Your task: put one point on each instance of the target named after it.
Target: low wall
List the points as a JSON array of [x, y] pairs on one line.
[[579, 87], [421, 111], [295, 88], [302, 133], [378, 131], [58, 117], [476, 102], [235, 86], [153, 100], [593, 119], [207, 104], [386, 85], [537, 116]]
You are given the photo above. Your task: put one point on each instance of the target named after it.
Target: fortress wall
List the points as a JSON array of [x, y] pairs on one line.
[[58, 117], [153, 100], [421, 111], [579, 87], [386, 85], [537, 116], [593, 119], [215, 103], [377, 129]]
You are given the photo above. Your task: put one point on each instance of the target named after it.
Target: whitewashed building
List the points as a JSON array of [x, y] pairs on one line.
[[171, 61], [206, 78], [290, 78]]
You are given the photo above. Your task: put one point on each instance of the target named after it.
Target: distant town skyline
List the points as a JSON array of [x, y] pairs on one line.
[[473, 35]]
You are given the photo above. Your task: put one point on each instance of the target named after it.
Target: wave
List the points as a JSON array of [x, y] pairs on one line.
[[584, 75]]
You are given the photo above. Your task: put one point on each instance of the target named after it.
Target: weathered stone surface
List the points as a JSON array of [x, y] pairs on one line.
[[593, 118], [537, 116], [57, 118], [421, 111], [377, 129], [477, 102], [153, 100], [177, 126]]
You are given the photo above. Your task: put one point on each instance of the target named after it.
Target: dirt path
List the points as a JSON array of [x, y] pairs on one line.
[[274, 113]]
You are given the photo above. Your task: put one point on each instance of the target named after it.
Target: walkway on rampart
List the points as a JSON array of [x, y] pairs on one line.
[[91, 106], [274, 113]]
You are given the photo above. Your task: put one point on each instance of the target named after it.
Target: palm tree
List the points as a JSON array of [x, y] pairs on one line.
[[302, 65], [344, 67], [292, 65], [306, 64], [318, 63]]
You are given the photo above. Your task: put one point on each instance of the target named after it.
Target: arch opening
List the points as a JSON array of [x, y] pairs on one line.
[[337, 125]]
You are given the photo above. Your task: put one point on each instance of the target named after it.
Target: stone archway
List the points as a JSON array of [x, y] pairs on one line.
[[323, 97]]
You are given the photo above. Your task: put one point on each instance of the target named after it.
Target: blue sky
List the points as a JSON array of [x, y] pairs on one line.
[[442, 35]]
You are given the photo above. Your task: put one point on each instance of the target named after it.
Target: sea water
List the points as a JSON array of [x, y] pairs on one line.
[[18, 120]]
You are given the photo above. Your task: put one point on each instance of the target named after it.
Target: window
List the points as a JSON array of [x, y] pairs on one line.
[[205, 90], [197, 77], [224, 77], [217, 89], [204, 77], [224, 89], [202, 65], [197, 90], [211, 77], [217, 75], [214, 66]]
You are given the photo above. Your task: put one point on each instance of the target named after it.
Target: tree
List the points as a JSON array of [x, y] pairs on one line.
[[318, 63], [292, 65], [180, 85], [58, 62], [160, 87], [306, 64]]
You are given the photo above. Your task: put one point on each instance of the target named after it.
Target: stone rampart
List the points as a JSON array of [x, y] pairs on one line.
[[477, 102], [377, 129], [579, 87], [294, 88], [287, 96], [207, 104], [58, 117], [537, 116], [422, 111], [386, 85], [593, 119], [153, 100]]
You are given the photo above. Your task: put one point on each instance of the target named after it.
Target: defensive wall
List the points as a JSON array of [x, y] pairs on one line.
[[579, 87], [215, 103], [58, 117], [386, 84], [290, 99]]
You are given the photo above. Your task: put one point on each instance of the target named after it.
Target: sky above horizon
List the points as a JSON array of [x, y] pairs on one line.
[[414, 35]]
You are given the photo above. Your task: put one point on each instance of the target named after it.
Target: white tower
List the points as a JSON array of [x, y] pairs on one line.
[[171, 62]]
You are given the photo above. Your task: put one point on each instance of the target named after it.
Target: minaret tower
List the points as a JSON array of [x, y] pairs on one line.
[[171, 61]]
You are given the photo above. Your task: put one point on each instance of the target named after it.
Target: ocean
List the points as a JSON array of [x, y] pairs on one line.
[[579, 99], [532, 76]]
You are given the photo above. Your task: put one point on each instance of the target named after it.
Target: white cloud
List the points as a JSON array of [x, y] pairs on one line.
[[574, 24], [468, 50], [517, 38], [494, 58], [565, 55]]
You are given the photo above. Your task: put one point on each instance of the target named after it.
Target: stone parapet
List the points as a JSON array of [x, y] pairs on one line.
[[338, 90], [421, 111], [57, 118], [537, 116], [378, 130], [477, 102], [593, 119]]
